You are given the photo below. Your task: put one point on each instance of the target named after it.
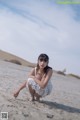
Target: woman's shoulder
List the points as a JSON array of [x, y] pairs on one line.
[[49, 69], [33, 70]]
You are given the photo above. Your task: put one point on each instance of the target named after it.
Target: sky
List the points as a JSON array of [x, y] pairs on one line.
[[31, 27]]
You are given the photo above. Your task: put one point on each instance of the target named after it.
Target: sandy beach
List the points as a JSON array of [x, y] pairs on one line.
[[62, 104]]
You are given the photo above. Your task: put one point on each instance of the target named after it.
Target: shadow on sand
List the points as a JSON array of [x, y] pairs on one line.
[[61, 106]]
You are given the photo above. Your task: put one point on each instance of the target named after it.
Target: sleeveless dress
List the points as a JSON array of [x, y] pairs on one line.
[[42, 92]]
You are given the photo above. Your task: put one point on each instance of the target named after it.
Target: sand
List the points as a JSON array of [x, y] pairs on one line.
[[62, 104]]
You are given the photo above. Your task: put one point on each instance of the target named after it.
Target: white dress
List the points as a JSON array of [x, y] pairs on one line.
[[42, 92]]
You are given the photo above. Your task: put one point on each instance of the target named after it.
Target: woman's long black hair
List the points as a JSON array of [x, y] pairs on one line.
[[46, 58]]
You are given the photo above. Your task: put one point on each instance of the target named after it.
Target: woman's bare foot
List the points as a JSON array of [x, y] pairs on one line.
[[31, 99], [16, 94], [38, 99]]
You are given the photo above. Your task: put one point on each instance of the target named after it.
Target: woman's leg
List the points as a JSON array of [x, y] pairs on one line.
[[37, 96], [32, 92], [19, 89]]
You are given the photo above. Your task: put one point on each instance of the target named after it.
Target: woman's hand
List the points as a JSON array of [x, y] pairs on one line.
[[31, 76], [34, 78]]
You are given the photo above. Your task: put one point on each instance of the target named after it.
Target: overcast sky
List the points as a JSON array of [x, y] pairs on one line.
[[31, 27]]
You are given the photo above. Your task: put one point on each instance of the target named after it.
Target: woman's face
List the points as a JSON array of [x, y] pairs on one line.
[[42, 63]]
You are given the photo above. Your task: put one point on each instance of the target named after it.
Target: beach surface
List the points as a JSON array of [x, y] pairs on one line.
[[62, 104]]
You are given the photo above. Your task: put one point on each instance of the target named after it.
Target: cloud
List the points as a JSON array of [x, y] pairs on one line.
[[28, 28]]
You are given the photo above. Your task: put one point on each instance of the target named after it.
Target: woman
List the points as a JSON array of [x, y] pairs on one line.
[[38, 82]]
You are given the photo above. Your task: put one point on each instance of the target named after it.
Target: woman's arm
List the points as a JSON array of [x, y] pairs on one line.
[[32, 73], [44, 80]]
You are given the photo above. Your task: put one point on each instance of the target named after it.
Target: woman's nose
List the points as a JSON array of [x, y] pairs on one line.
[[42, 63]]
